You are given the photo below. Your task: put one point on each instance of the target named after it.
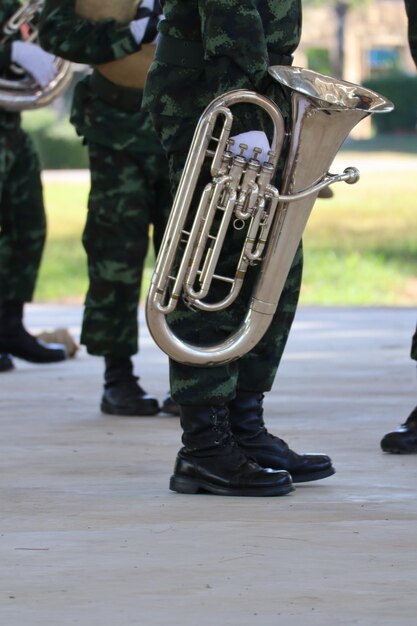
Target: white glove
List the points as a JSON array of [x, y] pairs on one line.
[[138, 27], [38, 63], [253, 139]]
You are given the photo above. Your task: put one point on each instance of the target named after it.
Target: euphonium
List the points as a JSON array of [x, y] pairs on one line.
[[324, 111], [21, 92]]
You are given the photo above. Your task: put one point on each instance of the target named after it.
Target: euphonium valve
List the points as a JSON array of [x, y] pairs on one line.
[[241, 195]]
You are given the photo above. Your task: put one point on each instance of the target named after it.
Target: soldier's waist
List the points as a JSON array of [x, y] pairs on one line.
[[125, 98], [190, 54], [131, 70]]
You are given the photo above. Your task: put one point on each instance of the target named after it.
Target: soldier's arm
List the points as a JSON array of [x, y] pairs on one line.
[[6, 11], [234, 43], [80, 40]]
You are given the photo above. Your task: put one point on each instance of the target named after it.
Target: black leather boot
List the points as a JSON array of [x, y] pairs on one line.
[[403, 440], [246, 421], [6, 364], [15, 339], [122, 394], [211, 461], [170, 406]]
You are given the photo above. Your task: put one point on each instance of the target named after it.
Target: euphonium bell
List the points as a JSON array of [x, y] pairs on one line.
[[241, 195], [20, 92]]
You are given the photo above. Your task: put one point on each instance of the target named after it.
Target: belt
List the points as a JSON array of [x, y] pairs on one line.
[[190, 54], [125, 98]]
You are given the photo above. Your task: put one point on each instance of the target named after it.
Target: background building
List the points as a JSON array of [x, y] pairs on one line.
[[355, 41], [358, 40]]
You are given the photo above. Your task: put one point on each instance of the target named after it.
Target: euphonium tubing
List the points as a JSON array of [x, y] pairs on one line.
[[324, 111], [22, 92]]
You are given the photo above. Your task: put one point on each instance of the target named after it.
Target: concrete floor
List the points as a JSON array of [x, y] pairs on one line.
[[91, 535]]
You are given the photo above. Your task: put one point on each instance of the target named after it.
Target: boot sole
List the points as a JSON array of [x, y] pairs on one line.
[[181, 484], [307, 478], [400, 450], [110, 409]]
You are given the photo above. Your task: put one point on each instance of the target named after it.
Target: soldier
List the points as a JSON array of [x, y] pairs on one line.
[[22, 212], [403, 440], [207, 48], [129, 180]]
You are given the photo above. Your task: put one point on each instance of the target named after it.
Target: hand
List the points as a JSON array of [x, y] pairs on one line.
[[138, 29], [144, 28], [253, 139], [35, 61]]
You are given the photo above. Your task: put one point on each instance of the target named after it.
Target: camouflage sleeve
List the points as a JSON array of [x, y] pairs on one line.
[[7, 9], [411, 8], [77, 39], [234, 43]]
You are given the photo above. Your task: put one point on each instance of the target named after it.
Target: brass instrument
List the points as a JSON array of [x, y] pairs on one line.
[[21, 92], [131, 70], [241, 195]]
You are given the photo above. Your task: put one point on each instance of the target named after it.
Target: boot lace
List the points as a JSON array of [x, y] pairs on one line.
[[221, 427]]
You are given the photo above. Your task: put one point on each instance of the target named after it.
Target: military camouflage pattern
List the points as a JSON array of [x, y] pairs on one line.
[[22, 216], [77, 39], [237, 38], [130, 186], [22, 213], [8, 121], [129, 190], [236, 52]]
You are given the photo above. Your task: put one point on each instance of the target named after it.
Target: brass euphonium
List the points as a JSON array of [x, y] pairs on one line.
[[324, 111], [20, 92]]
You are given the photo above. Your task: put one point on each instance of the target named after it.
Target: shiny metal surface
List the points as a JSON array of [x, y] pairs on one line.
[[329, 90], [21, 92], [324, 111]]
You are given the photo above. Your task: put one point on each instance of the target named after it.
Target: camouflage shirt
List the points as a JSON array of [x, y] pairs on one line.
[[7, 8], [238, 37], [91, 42], [77, 39]]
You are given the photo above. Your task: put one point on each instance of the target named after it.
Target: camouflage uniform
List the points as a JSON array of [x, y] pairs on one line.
[[207, 48], [129, 181], [22, 213], [411, 8]]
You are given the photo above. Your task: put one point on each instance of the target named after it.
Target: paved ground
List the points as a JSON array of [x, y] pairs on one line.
[[91, 535]]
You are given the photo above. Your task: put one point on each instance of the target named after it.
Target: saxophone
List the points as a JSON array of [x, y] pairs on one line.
[[241, 195], [20, 92]]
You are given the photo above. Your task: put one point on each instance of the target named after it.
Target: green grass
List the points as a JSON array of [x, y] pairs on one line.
[[63, 273], [360, 246]]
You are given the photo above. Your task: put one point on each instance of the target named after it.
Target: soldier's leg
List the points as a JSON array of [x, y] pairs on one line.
[[210, 459], [240, 385], [403, 440], [22, 238], [116, 241]]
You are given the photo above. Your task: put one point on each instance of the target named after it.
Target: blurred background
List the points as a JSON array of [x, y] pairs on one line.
[[361, 245]]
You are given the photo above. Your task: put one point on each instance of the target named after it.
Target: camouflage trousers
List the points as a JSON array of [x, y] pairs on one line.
[[256, 370], [22, 216], [129, 192]]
